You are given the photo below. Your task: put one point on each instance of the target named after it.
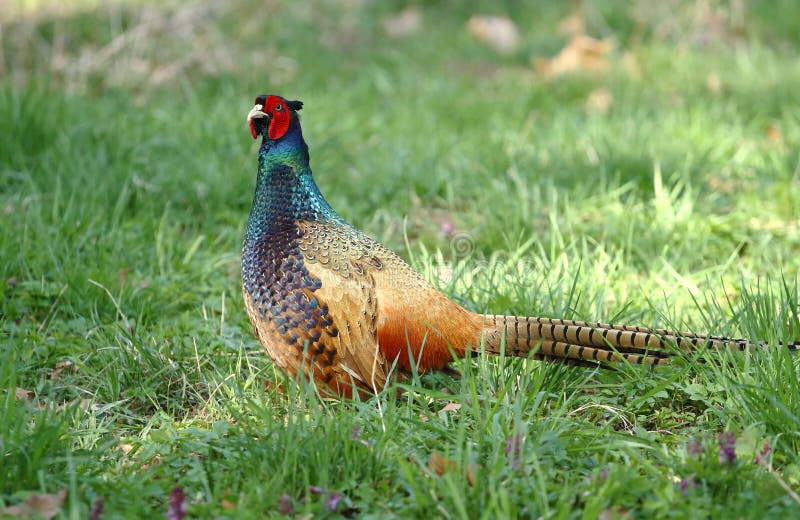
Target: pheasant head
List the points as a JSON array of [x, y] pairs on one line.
[[272, 116]]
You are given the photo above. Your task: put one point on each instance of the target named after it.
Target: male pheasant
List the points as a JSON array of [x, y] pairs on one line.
[[327, 301]]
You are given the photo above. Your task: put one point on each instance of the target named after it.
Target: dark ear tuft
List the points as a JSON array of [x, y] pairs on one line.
[[295, 105]]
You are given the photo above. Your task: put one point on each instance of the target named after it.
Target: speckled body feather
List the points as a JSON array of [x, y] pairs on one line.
[[332, 304]]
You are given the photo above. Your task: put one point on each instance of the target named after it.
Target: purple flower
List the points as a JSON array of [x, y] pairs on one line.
[[285, 504], [687, 483], [447, 228], [96, 512], [332, 497], [333, 500], [355, 433], [694, 448], [761, 458], [513, 450], [177, 504], [727, 448], [601, 475]]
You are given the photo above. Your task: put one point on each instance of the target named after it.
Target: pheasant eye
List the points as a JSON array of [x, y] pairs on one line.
[[278, 107]]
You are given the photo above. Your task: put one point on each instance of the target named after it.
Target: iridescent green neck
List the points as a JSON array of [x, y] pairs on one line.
[[285, 190]]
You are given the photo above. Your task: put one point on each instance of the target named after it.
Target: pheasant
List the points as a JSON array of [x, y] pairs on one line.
[[331, 304]]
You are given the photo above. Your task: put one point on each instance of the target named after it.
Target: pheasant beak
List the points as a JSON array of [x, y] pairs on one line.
[[255, 113]]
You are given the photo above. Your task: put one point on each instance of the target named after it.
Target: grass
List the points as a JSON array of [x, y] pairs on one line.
[[126, 175]]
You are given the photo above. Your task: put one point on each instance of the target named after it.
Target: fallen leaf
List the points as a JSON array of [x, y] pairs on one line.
[[713, 83], [271, 385], [83, 404], [774, 133], [227, 504], [581, 54], [402, 24], [61, 367], [450, 407], [614, 513], [23, 395], [572, 25], [439, 465], [470, 475], [498, 32], [45, 505], [155, 461], [599, 100], [125, 448]]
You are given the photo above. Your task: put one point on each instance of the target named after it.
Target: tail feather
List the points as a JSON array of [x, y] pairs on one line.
[[560, 350], [591, 342]]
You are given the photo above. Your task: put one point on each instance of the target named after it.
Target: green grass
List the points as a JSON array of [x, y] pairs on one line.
[[126, 174]]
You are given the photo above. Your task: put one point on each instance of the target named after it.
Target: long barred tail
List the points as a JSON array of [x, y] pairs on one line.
[[586, 342]]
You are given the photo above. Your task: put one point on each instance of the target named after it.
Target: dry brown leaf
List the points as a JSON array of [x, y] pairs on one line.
[[45, 505], [581, 54], [439, 464], [61, 367], [723, 184], [271, 385], [498, 32], [450, 407], [599, 100], [572, 25], [23, 395], [125, 448], [83, 404], [402, 24], [227, 504], [713, 83], [774, 133], [155, 461], [614, 513]]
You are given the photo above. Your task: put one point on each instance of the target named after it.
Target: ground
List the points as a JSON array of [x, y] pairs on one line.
[[647, 176]]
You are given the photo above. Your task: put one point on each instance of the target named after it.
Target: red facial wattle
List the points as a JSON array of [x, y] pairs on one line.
[[279, 122], [278, 115]]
